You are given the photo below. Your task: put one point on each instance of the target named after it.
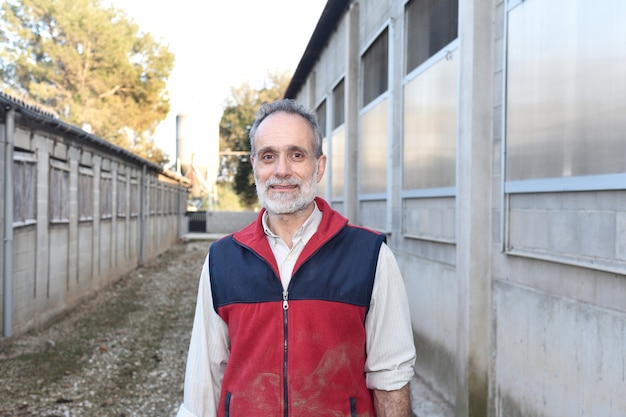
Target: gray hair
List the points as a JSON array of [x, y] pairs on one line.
[[292, 107]]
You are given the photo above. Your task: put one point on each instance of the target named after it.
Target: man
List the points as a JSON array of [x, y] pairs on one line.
[[299, 314]]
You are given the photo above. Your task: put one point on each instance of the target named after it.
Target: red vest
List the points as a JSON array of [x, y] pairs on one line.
[[302, 353]]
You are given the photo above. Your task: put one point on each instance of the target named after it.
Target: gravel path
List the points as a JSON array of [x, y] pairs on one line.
[[120, 354], [123, 352]]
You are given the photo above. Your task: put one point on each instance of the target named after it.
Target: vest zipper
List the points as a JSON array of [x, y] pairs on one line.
[[286, 395]]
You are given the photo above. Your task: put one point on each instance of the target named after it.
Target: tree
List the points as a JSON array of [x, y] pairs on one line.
[[235, 125], [90, 65]]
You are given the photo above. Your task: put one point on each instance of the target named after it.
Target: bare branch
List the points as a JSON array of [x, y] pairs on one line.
[[110, 92]]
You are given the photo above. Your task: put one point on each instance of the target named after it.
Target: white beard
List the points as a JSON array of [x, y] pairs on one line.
[[287, 202]]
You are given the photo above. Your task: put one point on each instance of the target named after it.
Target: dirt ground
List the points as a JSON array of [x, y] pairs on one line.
[[123, 352], [120, 354]]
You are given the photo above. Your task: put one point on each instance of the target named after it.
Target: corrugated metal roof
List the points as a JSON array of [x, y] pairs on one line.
[[49, 120]]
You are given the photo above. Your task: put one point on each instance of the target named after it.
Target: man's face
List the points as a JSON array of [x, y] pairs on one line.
[[286, 171]]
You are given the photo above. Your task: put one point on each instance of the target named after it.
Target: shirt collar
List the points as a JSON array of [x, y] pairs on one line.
[[308, 228]]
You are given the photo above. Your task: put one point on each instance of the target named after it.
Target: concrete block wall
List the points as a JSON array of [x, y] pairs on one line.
[[225, 222], [433, 290], [581, 227], [518, 300], [557, 356], [25, 266], [558, 294], [422, 231], [374, 215], [105, 257], [430, 218], [85, 260], [56, 264]]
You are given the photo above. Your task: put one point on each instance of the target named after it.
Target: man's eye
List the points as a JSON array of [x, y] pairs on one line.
[[298, 155], [267, 157]]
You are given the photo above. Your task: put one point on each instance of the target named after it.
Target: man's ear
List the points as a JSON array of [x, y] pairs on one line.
[[321, 167]]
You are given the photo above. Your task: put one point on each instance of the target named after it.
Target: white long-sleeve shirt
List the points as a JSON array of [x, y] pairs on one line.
[[389, 340]]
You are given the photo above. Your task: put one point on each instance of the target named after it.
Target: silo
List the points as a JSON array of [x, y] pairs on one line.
[[184, 145], [197, 154]]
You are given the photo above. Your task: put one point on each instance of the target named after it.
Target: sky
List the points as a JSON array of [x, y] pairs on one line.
[[220, 44]]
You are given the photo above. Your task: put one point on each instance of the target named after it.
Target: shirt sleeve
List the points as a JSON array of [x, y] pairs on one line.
[[390, 346], [209, 350]]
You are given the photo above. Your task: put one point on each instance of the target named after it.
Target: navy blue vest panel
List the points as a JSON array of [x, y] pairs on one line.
[[342, 270], [239, 275]]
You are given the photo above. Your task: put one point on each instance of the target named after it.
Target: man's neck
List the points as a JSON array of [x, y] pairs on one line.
[[287, 225]]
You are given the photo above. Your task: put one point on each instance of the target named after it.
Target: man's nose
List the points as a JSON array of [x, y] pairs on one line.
[[283, 167]]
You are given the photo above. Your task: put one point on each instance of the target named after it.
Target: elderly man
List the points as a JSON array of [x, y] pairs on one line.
[[300, 313]]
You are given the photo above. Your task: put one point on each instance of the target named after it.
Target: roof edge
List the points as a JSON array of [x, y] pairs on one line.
[[51, 121], [330, 17]]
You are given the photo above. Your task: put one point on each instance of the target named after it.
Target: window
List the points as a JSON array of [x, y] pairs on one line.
[[158, 190], [59, 191], [106, 195], [339, 102], [85, 193], [320, 112], [166, 201], [430, 26], [429, 146], [24, 188], [565, 93], [134, 197], [172, 199], [373, 149], [173, 192], [337, 164], [121, 195], [430, 96], [375, 68], [154, 195]]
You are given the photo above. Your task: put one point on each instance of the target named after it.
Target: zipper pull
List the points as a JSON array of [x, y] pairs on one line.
[[285, 296]]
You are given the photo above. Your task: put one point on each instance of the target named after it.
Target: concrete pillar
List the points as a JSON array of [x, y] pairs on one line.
[[7, 222], [351, 86], [95, 264], [143, 213], [73, 159], [473, 204], [113, 264], [44, 148], [396, 125], [127, 234]]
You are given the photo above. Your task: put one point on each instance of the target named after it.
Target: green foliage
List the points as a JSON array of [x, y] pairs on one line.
[[89, 64], [227, 199], [235, 125]]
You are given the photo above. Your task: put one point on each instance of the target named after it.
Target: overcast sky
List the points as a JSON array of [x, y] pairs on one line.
[[221, 44]]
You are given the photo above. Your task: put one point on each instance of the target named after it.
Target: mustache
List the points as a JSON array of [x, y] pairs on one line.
[[284, 181]]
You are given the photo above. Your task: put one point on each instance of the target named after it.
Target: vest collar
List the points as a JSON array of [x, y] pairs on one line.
[[253, 236]]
